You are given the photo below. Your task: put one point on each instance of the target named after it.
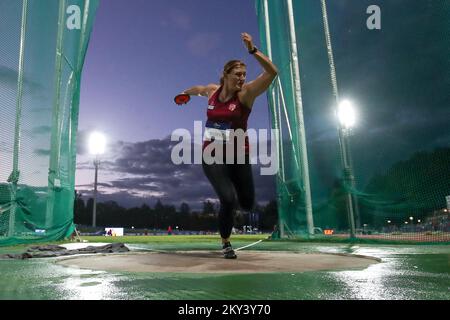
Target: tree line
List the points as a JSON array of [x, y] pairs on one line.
[[159, 217]]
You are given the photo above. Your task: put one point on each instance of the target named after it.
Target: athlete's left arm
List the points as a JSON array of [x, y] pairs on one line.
[[256, 87]]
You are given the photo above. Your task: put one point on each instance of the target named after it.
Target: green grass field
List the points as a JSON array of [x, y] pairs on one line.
[[211, 242], [215, 239], [174, 239]]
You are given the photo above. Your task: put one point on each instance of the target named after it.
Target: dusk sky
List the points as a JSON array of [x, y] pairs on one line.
[[143, 52], [140, 55]]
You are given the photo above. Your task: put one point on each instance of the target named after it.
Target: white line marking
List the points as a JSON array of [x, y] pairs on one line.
[[249, 245]]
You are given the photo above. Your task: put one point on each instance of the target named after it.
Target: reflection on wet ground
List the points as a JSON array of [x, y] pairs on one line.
[[406, 272]]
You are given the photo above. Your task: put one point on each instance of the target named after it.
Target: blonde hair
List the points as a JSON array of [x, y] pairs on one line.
[[229, 66]]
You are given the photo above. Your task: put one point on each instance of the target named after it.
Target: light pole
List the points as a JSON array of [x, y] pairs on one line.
[[96, 148], [347, 119]]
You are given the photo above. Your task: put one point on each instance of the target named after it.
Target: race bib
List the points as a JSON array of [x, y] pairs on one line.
[[217, 131]]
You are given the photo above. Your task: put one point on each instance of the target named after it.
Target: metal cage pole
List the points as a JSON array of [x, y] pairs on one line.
[[14, 177], [299, 106], [94, 207], [54, 182], [343, 143], [276, 114]]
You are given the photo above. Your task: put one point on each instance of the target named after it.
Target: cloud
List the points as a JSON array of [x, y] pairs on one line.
[[42, 152], [144, 172], [42, 110], [82, 142], [4, 147], [9, 77], [178, 18], [202, 44], [41, 130]]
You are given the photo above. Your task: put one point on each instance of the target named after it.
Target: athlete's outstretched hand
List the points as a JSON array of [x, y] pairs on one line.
[[248, 40]]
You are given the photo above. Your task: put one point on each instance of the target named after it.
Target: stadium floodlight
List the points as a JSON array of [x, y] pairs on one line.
[[346, 114], [347, 119], [97, 143]]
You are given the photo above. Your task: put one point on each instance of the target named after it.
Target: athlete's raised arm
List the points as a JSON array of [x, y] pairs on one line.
[[254, 88]]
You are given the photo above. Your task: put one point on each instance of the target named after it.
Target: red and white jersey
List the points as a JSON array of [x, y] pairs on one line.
[[225, 115]]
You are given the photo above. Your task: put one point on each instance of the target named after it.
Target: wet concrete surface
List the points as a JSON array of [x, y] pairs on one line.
[[213, 262]]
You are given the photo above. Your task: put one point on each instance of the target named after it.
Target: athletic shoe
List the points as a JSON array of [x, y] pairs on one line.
[[228, 252]]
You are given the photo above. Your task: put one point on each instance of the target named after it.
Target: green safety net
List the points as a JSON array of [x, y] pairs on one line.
[[43, 46], [388, 176]]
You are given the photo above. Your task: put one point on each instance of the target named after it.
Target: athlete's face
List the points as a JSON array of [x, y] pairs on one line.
[[236, 78]]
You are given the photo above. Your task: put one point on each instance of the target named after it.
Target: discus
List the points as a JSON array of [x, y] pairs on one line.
[[182, 98]]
